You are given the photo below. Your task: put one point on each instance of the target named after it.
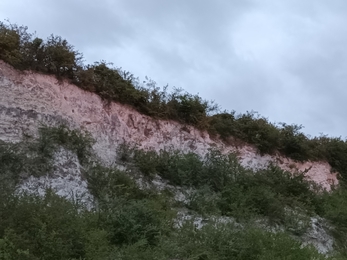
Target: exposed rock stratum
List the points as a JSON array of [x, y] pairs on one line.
[[29, 99]]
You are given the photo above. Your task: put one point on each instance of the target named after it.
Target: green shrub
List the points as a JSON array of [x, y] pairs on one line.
[[74, 140], [146, 162], [13, 39], [60, 58], [293, 143], [45, 228], [204, 201], [107, 184], [267, 193], [130, 214], [188, 109], [179, 168], [226, 241], [132, 221], [97, 244], [266, 245], [257, 130], [11, 164], [334, 209], [219, 170], [220, 185], [222, 124]]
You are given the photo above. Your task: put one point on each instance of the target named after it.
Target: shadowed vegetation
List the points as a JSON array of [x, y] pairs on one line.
[[132, 221]]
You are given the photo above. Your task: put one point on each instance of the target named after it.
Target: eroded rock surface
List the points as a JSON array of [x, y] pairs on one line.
[[28, 99], [65, 180]]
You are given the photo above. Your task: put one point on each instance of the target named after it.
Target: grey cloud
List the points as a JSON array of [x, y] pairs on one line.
[[284, 59], [83, 23]]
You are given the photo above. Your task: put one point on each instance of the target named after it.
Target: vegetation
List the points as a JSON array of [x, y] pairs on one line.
[[133, 222], [56, 56], [219, 184], [51, 227]]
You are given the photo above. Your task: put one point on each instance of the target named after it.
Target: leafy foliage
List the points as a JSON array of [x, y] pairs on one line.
[[221, 185], [44, 227], [51, 227], [225, 241], [74, 140], [129, 222]]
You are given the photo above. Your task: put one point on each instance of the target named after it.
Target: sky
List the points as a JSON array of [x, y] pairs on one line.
[[286, 60]]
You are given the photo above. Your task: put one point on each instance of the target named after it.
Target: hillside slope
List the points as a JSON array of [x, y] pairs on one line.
[[29, 99]]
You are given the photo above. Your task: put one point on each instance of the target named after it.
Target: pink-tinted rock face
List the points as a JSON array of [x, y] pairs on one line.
[[27, 99]]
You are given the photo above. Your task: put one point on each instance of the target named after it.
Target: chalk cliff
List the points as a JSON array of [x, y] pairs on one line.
[[28, 99]]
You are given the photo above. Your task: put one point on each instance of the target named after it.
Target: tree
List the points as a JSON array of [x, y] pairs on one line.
[[60, 57]]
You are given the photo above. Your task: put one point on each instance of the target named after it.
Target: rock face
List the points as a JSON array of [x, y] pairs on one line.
[[29, 99], [66, 180], [318, 236]]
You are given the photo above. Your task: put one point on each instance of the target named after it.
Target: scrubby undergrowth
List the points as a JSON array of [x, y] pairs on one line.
[[56, 56], [128, 221]]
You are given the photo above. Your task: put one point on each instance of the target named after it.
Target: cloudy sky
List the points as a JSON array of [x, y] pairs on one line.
[[285, 59]]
